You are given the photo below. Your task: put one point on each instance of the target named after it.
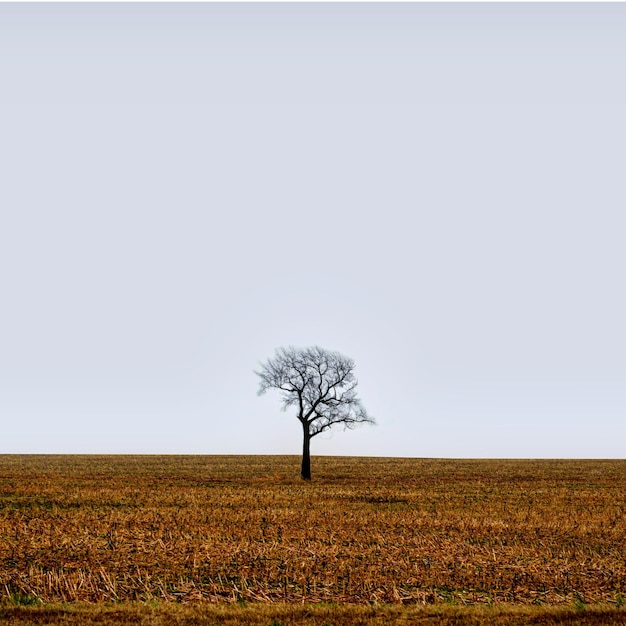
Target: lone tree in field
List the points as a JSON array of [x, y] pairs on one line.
[[321, 385]]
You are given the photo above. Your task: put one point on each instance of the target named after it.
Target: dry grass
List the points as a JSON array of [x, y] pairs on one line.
[[202, 614], [214, 529]]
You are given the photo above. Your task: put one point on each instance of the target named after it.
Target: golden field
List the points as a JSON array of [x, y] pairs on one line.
[[151, 538]]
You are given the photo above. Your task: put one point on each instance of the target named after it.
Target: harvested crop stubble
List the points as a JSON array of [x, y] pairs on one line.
[[212, 528]]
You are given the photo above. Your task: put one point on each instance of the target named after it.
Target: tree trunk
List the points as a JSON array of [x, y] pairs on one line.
[[306, 454]]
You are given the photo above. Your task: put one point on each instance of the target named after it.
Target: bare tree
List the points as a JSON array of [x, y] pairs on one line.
[[321, 385]]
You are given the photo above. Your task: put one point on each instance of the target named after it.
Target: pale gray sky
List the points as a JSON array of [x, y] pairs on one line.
[[435, 190]]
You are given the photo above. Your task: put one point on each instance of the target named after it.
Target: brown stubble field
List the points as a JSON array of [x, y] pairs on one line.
[[231, 537]]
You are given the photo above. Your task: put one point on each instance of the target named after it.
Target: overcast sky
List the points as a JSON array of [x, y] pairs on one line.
[[435, 190]]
